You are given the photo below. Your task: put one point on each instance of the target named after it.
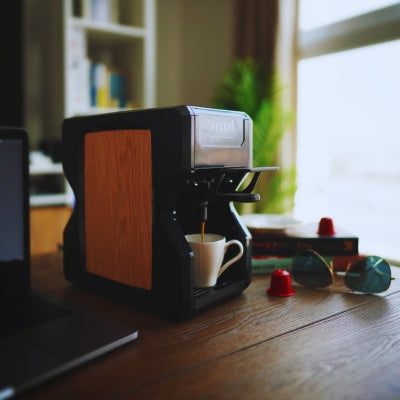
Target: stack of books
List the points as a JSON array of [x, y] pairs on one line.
[[271, 251]]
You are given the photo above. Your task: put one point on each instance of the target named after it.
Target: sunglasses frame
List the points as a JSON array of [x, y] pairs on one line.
[[332, 273]]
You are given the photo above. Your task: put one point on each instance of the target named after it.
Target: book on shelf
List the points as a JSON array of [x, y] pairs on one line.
[[104, 10], [292, 240], [117, 89], [107, 87], [78, 67]]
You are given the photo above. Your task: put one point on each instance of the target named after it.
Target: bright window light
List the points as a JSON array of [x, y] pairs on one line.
[[349, 143]]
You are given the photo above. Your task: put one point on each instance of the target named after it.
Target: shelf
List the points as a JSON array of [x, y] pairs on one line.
[[47, 169], [50, 200], [100, 110], [107, 29]]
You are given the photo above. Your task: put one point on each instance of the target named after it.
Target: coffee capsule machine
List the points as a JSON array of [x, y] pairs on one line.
[[142, 180]]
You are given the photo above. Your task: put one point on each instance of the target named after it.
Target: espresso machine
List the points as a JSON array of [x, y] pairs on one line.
[[142, 180]]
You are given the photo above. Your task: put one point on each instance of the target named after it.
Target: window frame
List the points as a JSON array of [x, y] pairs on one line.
[[382, 25], [375, 27]]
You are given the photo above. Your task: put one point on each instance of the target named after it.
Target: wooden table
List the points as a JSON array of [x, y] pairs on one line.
[[316, 344]]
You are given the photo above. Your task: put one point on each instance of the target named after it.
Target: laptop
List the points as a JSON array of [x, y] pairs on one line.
[[40, 337]]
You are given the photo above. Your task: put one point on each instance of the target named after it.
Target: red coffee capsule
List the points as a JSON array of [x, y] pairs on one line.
[[281, 284], [326, 227]]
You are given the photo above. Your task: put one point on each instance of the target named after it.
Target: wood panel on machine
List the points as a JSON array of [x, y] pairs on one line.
[[118, 205]]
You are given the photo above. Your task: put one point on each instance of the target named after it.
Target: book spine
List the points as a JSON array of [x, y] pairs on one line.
[[266, 265], [117, 90], [77, 90], [288, 246], [101, 10]]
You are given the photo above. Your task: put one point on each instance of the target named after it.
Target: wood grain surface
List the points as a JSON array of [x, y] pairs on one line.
[[118, 206], [317, 344]]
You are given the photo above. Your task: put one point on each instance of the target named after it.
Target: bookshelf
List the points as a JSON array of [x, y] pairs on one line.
[[109, 53], [84, 57], [64, 39]]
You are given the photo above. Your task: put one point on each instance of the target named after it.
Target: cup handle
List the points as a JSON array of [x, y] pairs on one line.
[[232, 260]]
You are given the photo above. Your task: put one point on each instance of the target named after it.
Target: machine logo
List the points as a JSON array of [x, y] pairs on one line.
[[223, 127], [220, 132]]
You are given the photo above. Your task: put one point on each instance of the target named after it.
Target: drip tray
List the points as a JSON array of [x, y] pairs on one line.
[[218, 286]]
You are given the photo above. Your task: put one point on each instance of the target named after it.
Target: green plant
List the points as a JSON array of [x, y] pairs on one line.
[[247, 87]]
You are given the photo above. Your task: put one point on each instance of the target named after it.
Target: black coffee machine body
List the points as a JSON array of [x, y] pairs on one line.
[[142, 180]]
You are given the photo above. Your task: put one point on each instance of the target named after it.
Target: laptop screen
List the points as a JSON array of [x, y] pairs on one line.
[[14, 214]]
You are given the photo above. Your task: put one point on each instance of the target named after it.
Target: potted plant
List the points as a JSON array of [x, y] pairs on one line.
[[247, 87]]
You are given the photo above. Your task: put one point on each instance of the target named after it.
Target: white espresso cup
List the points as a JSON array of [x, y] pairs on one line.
[[209, 255]]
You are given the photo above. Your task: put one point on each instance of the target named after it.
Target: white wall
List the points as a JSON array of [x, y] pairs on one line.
[[194, 49]]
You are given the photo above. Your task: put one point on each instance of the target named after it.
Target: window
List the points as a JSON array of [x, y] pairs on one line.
[[348, 115], [316, 13]]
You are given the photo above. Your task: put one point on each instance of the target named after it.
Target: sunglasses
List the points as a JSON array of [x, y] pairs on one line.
[[370, 274]]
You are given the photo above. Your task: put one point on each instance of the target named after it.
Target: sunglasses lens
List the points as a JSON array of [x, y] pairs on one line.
[[311, 270], [369, 275]]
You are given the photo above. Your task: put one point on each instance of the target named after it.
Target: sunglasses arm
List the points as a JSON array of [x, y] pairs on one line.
[[347, 268], [378, 271]]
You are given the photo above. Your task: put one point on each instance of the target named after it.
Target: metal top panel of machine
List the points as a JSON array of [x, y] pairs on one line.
[[220, 138]]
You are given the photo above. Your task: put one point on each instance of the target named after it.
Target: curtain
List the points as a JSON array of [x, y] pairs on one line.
[[286, 57], [255, 25], [266, 30]]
